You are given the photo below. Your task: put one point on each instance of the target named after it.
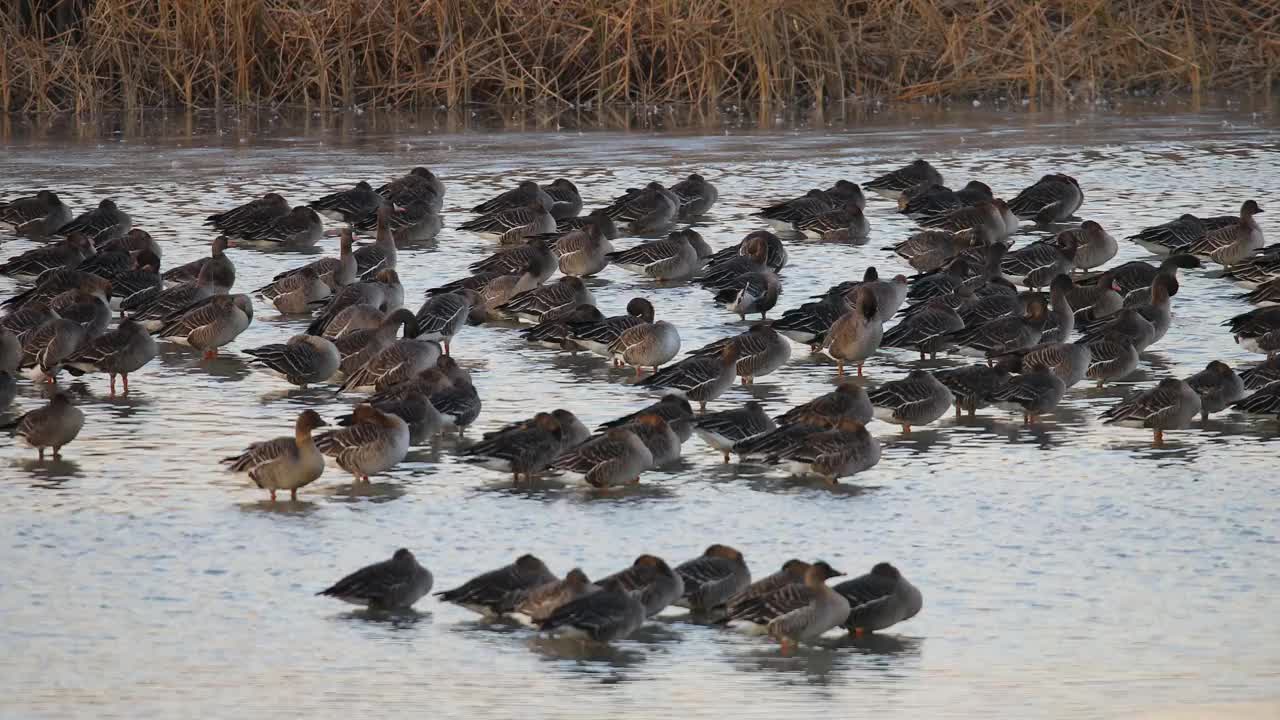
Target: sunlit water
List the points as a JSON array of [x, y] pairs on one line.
[[1069, 570]]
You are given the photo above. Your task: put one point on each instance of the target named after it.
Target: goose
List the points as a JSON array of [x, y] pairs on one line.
[[381, 255], [844, 450], [53, 283], [335, 272], [923, 330], [1157, 313], [761, 350], [68, 253], [350, 204], [46, 348], [791, 573], [752, 609], [1068, 361], [670, 259], [411, 406], [928, 250], [105, 222], [917, 399], [650, 344], [443, 316], [390, 585], [599, 218], [303, 360], [384, 292], [458, 403], [822, 610], [527, 450], [586, 250], [657, 436], [298, 293], [36, 215], [224, 271], [142, 281], [1233, 243], [810, 323], [1062, 317], [1095, 301], [497, 592], [699, 379], [540, 602], [1036, 265], [526, 192], [673, 409], [1265, 401], [534, 304], [401, 360], [514, 224], [971, 386], [133, 242], [696, 197], [54, 425], [10, 351], [601, 616], [614, 458], [651, 209], [784, 215], [418, 184], [283, 463], [1257, 330], [892, 184], [1006, 334], [124, 350], [347, 331], [651, 580], [534, 255], [1033, 393], [499, 291], [710, 579], [849, 400], [991, 219], [215, 279], [1170, 405], [210, 323], [375, 443], [1091, 245], [1268, 293], [1053, 198], [879, 600], [413, 221], [725, 429], [566, 201], [890, 294], [856, 335], [1258, 269], [553, 331], [598, 335], [18, 323], [845, 224], [258, 212], [1114, 356], [1255, 378], [755, 292], [91, 309], [301, 228], [1175, 235], [1218, 387], [757, 251], [928, 199]]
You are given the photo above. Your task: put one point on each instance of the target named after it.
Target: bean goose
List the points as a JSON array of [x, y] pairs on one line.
[[1255, 378], [255, 213], [599, 218], [601, 616], [385, 293], [791, 573], [649, 578], [526, 450], [598, 335], [390, 585], [928, 250], [700, 379], [54, 425], [8, 389], [725, 429], [566, 201], [848, 400], [856, 335], [1257, 330], [381, 255], [105, 222], [650, 209], [1170, 405], [46, 348], [1036, 265], [350, 204], [786, 590], [928, 199], [823, 610], [712, 578], [1218, 387], [924, 330], [1004, 334], [1265, 401], [513, 225], [879, 600], [696, 197], [971, 386], [521, 195], [303, 360], [1033, 393], [443, 316], [784, 215], [401, 360], [1091, 245], [284, 463], [614, 458], [553, 331], [672, 258], [10, 351], [497, 592], [222, 274], [1230, 244], [845, 224], [650, 344], [1053, 198], [658, 438], [36, 215], [209, 324], [377, 442], [1175, 235], [540, 602], [120, 352], [1133, 322], [534, 304], [67, 253], [761, 351], [418, 184], [991, 219], [533, 254], [584, 251], [674, 409], [844, 450], [301, 228], [917, 399], [298, 293], [892, 184]]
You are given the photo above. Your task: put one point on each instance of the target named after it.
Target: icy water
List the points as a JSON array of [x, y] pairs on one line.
[[1068, 570]]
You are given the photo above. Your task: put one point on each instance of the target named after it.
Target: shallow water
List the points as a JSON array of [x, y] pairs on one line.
[[1069, 570]]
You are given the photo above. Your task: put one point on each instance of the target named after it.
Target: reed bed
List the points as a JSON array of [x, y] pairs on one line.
[[413, 53]]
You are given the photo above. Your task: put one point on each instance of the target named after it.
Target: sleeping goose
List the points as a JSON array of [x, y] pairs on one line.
[[401, 360], [298, 293], [924, 330], [991, 219], [124, 350], [418, 184], [1233, 243], [532, 254], [67, 253], [791, 573], [526, 450], [761, 350], [651, 209], [257, 212], [1006, 334], [375, 443], [210, 323], [650, 344], [584, 251], [893, 183], [10, 351], [658, 438], [153, 310], [497, 592], [1257, 330], [1091, 246], [381, 255], [1175, 235], [712, 578], [917, 399], [848, 400], [284, 463], [617, 457], [47, 347], [303, 360], [672, 258], [673, 409], [1218, 386], [36, 215], [753, 609], [599, 218], [696, 197], [929, 199], [784, 215], [301, 228], [598, 335], [700, 379], [540, 602], [105, 222], [514, 224], [1170, 405], [879, 600], [390, 585], [526, 192], [534, 304], [1053, 198], [928, 250], [358, 346], [1265, 401], [844, 450], [601, 616], [54, 425], [553, 331], [822, 610], [384, 292], [1034, 392], [1255, 378], [845, 224], [725, 429], [1037, 264], [774, 258], [349, 205], [566, 201], [458, 402], [651, 580], [971, 386]]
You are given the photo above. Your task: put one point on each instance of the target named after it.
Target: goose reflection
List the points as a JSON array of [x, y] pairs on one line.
[[301, 508], [225, 367], [313, 396], [893, 647], [917, 442], [591, 659], [49, 474], [814, 664], [396, 620], [374, 492]]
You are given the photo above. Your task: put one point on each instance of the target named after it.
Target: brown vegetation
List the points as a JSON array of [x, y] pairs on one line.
[[418, 53]]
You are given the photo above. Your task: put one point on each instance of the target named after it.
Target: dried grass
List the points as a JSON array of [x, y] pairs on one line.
[[412, 54]]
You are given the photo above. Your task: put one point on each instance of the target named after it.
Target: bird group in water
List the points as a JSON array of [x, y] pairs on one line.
[[1041, 318]]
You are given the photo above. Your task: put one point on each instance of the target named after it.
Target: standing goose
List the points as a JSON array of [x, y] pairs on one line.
[[402, 360], [923, 330], [585, 251], [1176, 235], [651, 580], [360, 345], [929, 250], [153, 310], [298, 293], [848, 400], [497, 592], [844, 450], [514, 224], [761, 350], [1218, 387], [1157, 312], [917, 399], [553, 331], [46, 348], [1257, 330], [526, 450], [534, 304], [303, 360], [617, 457], [209, 324], [1033, 393], [443, 316], [1036, 265], [257, 212], [846, 224], [712, 578], [599, 218], [301, 228], [774, 257], [284, 463], [1265, 401], [1170, 405], [36, 215], [1095, 301], [1053, 198], [753, 257], [540, 602], [650, 344], [390, 585], [375, 443], [824, 610], [533, 254], [599, 335], [752, 610], [696, 197], [91, 309], [385, 293], [810, 323], [349, 205], [893, 184], [458, 403], [725, 429], [381, 255], [791, 573], [673, 409], [1090, 244], [990, 219], [971, 386], [54, 283], [140, 282], [672, 258], [224, 272], [53, 426], [120, 352], [334, 272], [67, 253], [755, 292], [1233, 243], [658, 438], [856, 335], [1067, 360], [879, 600], [1255, 378], [498, 291], [1006, 334], [105, 222], [648, 210], [15, 326], [601, 616], [700, 379]]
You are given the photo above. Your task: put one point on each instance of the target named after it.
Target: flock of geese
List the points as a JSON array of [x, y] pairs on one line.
[[1043, 318]]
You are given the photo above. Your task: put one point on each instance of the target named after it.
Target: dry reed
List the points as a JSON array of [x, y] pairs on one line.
[[412, 54]]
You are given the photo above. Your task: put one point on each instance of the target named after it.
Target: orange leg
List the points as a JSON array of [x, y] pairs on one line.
[[726, 458], [126, 383], [113, 384], [273, 496], [210, 354], [41, 451], [859, 632], [293, 494], [839, 368], [1159, 439], [638, 371], [446, 347], [906, 429], [859, 369]]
